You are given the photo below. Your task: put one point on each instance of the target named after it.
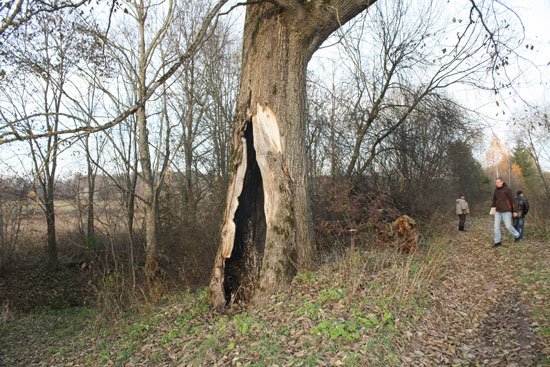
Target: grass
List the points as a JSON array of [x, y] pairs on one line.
[[45, 329], [359, 308], [317, 327]]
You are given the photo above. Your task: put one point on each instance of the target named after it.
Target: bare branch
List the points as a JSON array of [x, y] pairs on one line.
[[25, 16], [202, 35], [251, 3]]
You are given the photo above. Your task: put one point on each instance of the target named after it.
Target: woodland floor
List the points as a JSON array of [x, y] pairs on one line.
[[456, 302]]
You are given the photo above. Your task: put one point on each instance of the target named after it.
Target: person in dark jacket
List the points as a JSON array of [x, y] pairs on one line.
[[505, 209], [522, 207]]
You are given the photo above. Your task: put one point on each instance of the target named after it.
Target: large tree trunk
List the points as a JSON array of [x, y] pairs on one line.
[[267, 225]]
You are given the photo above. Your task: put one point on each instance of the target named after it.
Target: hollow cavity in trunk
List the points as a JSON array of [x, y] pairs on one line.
[[242, 269]]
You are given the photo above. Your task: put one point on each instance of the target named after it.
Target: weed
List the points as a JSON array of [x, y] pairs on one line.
[[331, 294], [334, 330], [369, 322], [311, 360], [138, 330], [157, 356], [243, 322], [308, 278], [311, 310], [352, 359], [170, 336]]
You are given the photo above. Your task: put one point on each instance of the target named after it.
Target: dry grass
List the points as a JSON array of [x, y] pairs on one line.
[[537, 225], [363, 269]]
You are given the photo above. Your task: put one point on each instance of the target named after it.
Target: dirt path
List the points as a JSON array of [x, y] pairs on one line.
[[493, 307]]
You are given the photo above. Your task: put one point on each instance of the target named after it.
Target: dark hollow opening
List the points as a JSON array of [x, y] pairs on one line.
[[242, 269]]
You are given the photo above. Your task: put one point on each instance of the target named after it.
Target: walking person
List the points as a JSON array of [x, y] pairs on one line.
[[504, 209], [462, 209], [522, 207]]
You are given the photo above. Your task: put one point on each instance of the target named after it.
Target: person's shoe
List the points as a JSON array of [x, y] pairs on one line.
[[517, 239], [497, 244]]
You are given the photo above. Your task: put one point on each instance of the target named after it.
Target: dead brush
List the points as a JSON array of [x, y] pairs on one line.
[[437, 223], [356, 265], [414, 274], [402, 276], [537, 225]]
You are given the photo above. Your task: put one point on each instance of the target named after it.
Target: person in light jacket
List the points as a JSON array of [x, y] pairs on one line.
[[462, 209]]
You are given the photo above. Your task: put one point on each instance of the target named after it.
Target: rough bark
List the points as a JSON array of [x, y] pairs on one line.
[[267, 225], [91, 192], [149, 196], [51, 240]]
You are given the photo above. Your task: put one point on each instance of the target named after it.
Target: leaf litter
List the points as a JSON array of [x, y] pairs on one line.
[[456, 302]]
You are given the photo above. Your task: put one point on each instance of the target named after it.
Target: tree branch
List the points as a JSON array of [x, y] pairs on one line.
[[246, 3], [202, 35]]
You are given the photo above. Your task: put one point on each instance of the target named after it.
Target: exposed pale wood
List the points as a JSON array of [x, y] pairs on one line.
[[267, 142], [228, 230]]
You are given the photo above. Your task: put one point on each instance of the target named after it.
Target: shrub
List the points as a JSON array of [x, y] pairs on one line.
[[342, 211]]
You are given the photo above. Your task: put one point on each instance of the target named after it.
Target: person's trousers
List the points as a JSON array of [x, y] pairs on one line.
[[505, 217], [519, 224], [461, 221]]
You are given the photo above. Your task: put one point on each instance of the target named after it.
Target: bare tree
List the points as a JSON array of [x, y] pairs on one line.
[[8, 129], [13, 201], [534, 130], [17, 13], [392, 53], [46, 60], [136, 56], [222, 71], [92, 146], [187, 105], [328, 126], [415, 164]]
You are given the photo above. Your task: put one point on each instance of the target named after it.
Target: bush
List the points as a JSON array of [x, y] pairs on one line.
[[11, 215], [537, 225], [342, 211]]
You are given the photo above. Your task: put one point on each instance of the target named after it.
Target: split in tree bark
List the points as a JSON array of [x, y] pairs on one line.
[[242, 269], [256, 219]]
